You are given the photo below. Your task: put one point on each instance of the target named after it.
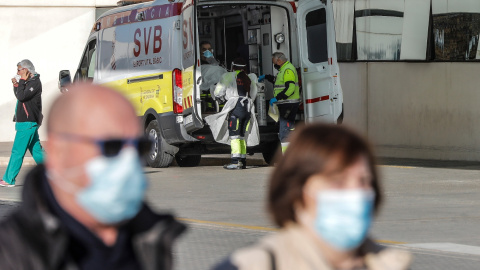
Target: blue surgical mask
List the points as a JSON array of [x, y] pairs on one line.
[[344, 217], [207, 54], [116, 190]]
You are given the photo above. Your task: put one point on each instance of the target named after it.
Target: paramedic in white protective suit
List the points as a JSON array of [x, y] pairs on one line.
[[211, 73], [240, 90]]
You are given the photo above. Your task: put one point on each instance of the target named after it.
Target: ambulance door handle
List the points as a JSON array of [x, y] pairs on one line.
[[199, 80]]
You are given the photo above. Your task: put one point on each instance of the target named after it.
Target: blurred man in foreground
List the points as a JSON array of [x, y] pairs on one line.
[[84, 209]]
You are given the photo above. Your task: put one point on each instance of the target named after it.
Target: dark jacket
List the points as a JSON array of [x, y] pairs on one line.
[[29, 96], [32, 237]]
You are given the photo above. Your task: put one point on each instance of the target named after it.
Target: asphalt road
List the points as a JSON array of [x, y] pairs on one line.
[[431, 208]]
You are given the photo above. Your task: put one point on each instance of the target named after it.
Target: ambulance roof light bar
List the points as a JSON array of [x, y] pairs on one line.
[[131, 2]]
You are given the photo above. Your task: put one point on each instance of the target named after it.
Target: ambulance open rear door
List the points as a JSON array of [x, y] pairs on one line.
[[192, 115], [321, 90]]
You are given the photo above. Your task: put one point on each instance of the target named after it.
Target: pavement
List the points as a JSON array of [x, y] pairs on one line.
[[207, 160]]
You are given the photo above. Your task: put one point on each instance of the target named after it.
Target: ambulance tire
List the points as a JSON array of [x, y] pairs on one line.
[[340, 117], [188, 161], [270, 152], [159, 156]]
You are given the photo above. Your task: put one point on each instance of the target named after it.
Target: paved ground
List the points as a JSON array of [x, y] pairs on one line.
[[431, 209]]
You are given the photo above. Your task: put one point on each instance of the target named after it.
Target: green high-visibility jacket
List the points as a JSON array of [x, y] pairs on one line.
[[286, 85]]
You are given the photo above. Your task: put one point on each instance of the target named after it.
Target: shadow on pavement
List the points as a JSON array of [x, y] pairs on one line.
[[221, 160]]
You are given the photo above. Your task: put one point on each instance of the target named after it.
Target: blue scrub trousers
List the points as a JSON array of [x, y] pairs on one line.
[[25, 138]]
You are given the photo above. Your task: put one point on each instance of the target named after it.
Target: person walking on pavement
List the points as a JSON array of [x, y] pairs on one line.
[[85, 209], [286, 95], [28, 118], [240, 90]]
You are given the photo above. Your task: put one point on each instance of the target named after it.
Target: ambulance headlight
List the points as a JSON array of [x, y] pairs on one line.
[[279, 38]]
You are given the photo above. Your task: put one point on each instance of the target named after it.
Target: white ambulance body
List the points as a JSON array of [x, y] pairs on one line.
[[150, 52]]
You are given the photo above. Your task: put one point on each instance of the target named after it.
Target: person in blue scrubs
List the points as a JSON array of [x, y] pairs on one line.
[[28, 118]]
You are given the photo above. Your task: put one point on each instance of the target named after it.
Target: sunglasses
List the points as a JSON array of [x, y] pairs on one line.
[[20, 69], [112, 147]]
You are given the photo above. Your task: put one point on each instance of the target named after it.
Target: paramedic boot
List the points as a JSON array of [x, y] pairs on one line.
[[233, 166], [244, 163]]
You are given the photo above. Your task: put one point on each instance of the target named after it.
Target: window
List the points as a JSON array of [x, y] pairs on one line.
[[397, 30], [379, 27], [456, 36], [87, 67], [91, 67], [316, 24], [344, 14]]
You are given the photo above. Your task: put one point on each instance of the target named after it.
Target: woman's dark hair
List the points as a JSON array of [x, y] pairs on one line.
[[311, 148], [240, 64]]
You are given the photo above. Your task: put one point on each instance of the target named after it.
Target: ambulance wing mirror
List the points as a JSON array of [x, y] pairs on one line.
[[64, 80]]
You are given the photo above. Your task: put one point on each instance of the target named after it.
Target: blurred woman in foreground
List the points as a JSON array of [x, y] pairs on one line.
[[323, 194]]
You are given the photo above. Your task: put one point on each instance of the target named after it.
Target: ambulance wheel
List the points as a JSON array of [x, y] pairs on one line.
[[188, 161], [159, 156], [268, 157], [269, 153]]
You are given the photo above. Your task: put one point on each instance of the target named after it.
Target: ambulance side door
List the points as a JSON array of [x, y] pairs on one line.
[[317, 59], [192, 115]]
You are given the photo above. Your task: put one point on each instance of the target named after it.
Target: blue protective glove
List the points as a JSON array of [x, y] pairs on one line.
[[261, 78], [273, 100]]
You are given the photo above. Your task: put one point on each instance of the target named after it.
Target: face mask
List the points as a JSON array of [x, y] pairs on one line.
[[344, 217], [277, 67], [207, 54], [116, 190]]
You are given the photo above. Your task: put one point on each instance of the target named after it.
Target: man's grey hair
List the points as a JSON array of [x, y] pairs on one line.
[[25, 63], [279, 55]]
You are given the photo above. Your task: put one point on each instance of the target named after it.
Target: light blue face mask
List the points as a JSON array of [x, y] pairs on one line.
[[344, 217], [207, 54], [116, 190], [117, 187]]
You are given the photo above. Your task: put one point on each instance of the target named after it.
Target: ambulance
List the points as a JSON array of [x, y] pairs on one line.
[[150, 52]]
